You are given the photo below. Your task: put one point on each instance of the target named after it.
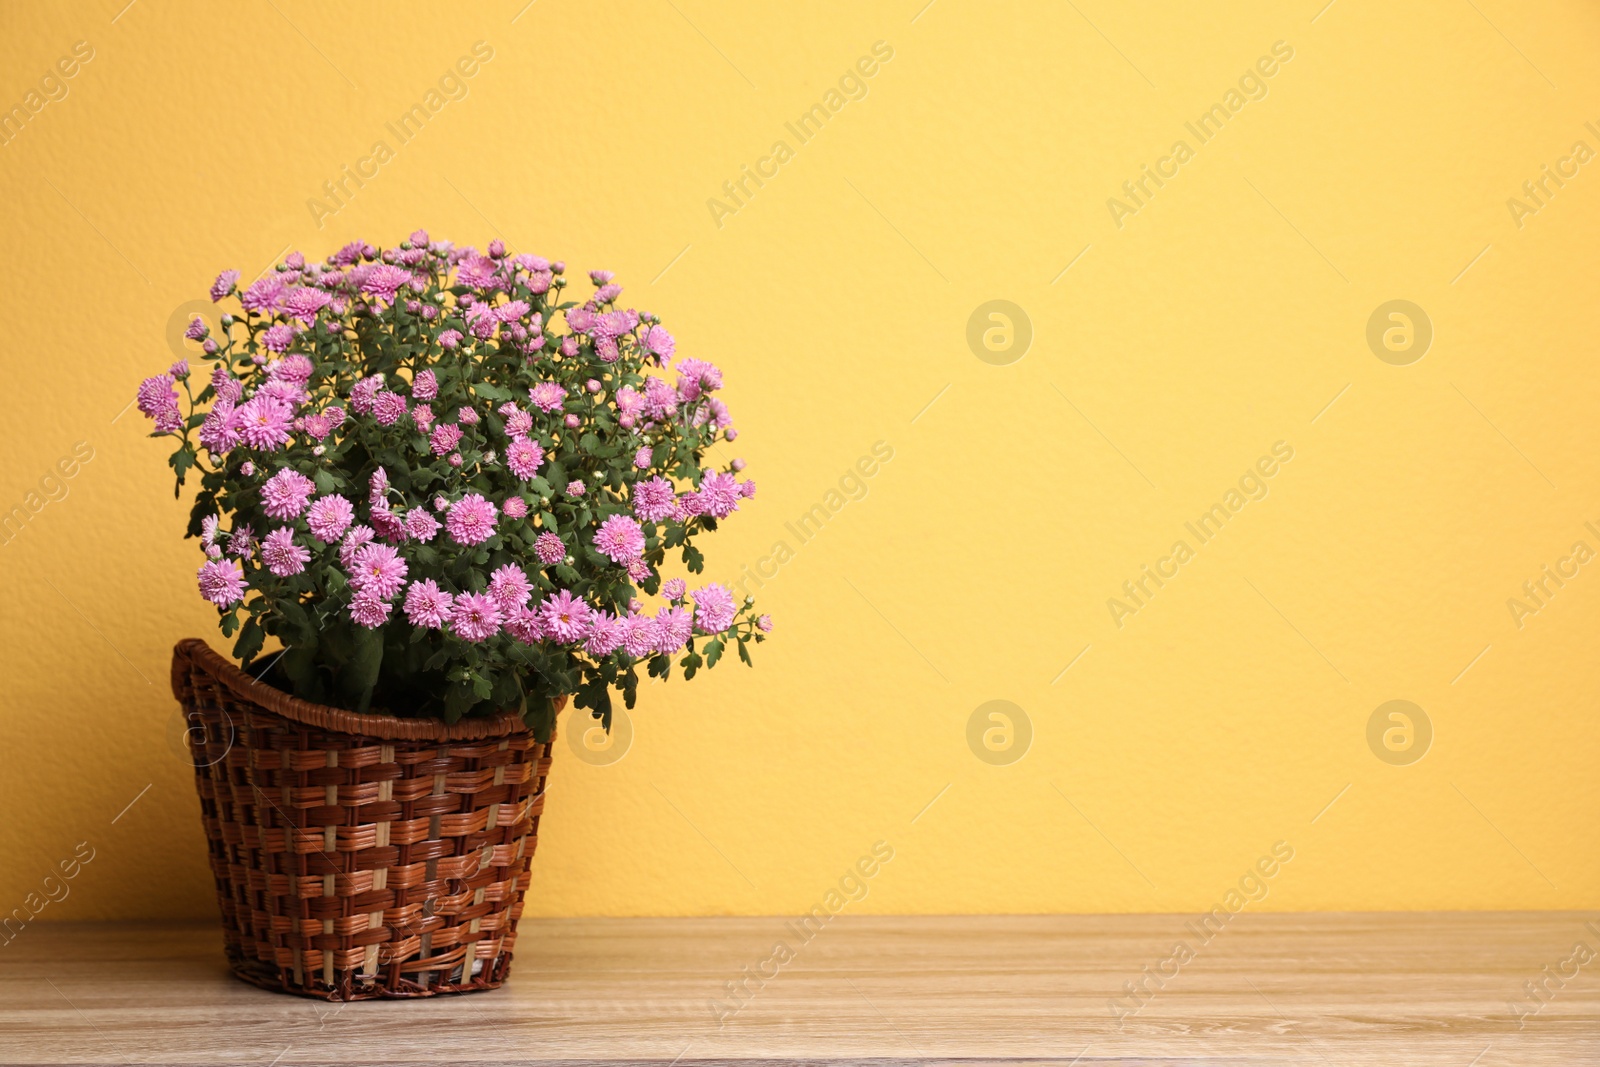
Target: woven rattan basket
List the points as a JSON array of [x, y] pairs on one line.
[[359, 856]]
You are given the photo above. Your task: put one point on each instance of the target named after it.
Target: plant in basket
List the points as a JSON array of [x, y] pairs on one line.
[[450, 495]]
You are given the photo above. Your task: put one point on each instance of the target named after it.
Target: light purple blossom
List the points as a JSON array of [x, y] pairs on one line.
[[471, 520], [475, 617]]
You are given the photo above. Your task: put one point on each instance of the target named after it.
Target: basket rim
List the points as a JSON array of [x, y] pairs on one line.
[[195, 650]]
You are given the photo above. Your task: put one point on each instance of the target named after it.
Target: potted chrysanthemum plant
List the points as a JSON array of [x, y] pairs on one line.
[[436, 501]]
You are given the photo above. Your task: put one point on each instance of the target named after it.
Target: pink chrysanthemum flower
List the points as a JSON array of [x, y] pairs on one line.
[[467, 417], [549, 548], [303, 302], [220, 431], [445, 438], [547, 396], [329, 517], [606, 632], [290, 393], [747, 488], [369, 610], [673, 589], [471, 520], [674, 626], [514, 507], [575, 488], [428, 605], [639, 570], [525, 625], [225, 385], [424, 385], [264, 422], [281, 555], [475, 617], [378, 569], [222, 582], [620, 539], [318, 426], [524, 457], [362, 392], [450, 339], [509, 587], [660, 399], [565, 617], [390, 527], [384, 281], [197, 330], [277, 338], [353, 542], [350, 254], [242, 542], [639, 633], [719, 494], [654, 499], [764, 624], [641, 458], [223, 285], [263, 294], [286, 494], [157, 398], [421, 525], [713, 608], [518, 422], [388, 408], [476, 272], [659, 343], [696, 378], [422, 415]]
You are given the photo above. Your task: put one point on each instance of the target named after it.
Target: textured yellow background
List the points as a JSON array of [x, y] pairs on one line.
[[1228, 314]]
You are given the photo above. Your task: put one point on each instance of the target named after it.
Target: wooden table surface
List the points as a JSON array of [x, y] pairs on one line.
[[1329, 989]]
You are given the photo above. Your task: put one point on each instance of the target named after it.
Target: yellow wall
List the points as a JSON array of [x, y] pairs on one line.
[[1221, 318]]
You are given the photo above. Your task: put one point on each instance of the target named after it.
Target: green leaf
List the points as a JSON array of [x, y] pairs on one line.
[[713, 651], [458, 700], [360, 672], [251, 637]]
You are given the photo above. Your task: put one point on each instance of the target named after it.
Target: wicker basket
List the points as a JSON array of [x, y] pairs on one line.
[[359, 856]]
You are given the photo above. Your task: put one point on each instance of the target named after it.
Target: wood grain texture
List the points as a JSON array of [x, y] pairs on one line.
[[1390, 989]]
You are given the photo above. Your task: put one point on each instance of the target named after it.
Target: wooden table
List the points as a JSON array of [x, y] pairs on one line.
[[1329, 989]]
